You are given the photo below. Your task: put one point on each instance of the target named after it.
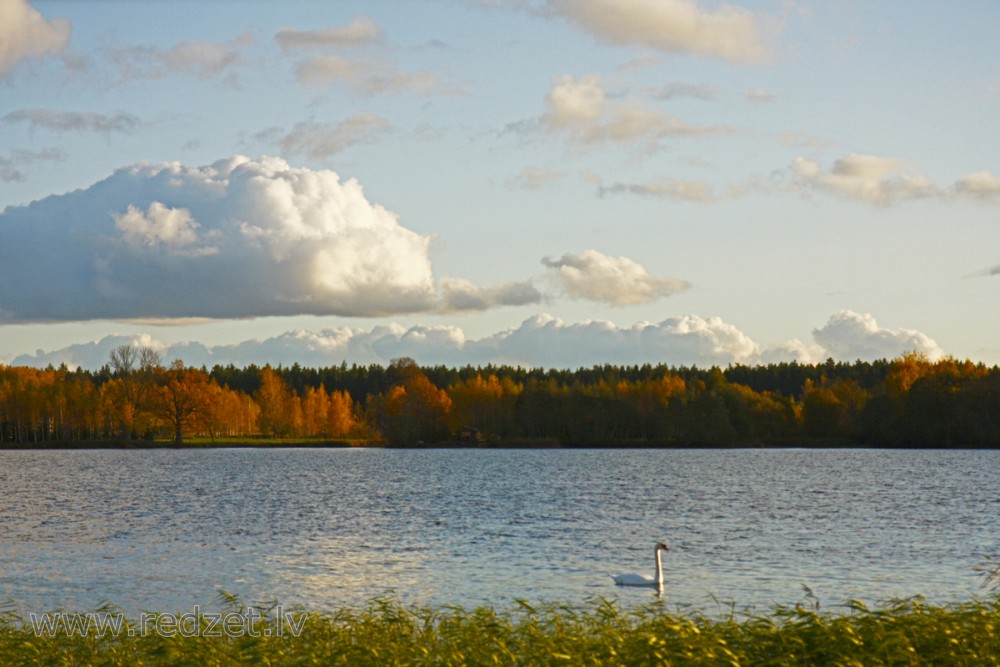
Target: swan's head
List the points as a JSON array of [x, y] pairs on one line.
[[662, 546]]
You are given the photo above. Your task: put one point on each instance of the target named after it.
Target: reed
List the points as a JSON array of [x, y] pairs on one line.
[[906, 632]]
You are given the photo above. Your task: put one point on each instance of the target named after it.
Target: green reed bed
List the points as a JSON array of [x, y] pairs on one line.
[[909, 632]]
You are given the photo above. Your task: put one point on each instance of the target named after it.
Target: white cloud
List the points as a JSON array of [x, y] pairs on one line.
[[849, 336], [370, 73], [618, 281], [321, 140], [366, 75], [25, 34], [729, 32], [359, 32], [983, 185], [582, 109], [459, 294], [692, 191], [792, 350], [867, 178], [204, 60], [75, 121]]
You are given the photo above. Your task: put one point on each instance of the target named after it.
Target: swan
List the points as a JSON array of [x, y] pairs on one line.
[[640, 580]]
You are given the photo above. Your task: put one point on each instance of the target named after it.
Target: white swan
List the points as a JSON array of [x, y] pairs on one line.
[[640, 580]]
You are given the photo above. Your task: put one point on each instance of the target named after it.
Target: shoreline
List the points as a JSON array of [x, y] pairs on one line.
[[539, 444]]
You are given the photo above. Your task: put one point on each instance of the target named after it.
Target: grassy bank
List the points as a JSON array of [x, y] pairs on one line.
[[386, 633]]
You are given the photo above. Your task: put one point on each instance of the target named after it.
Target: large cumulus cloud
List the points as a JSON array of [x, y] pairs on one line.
[[238, 238], [850, 335]]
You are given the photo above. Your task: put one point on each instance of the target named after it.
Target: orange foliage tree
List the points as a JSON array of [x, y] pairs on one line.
[[279, 407], [414, 410], [179, 398]]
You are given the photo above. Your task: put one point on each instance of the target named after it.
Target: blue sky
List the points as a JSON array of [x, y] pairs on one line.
[[539, 182]]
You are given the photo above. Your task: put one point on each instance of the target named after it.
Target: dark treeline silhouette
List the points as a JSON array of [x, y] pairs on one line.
[[905, 402]]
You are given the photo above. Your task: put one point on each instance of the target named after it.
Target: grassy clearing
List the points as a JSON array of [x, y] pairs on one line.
[[387, 633]]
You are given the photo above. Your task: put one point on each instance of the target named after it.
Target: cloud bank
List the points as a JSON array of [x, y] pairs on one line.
[[25, 34], [540, 341]]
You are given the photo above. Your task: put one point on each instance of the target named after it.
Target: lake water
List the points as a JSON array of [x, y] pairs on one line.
[[168, 529]]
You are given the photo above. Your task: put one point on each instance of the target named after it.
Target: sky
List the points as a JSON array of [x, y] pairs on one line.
[[555, 183]]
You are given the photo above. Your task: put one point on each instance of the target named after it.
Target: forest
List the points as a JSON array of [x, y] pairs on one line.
[[136, 400]]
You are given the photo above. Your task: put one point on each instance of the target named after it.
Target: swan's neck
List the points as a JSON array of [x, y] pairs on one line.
[[659, 567]]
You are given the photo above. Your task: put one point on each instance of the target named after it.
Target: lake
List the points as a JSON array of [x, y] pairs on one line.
[[168, 529]]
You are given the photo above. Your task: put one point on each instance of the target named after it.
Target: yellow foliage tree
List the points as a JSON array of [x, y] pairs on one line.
[[277, 405], [340, 419]]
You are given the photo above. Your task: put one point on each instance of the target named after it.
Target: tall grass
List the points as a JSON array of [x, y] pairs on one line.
[[908, 632]]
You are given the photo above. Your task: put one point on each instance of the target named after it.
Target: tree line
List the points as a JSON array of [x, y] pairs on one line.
[[908, 401]]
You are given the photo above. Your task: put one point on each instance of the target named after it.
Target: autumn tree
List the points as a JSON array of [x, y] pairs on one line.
[[655, 403], [414, 410], [79, 407], [486, 405], [315, 405], [180, 397], [903, 372], [134, 370], [340, 419], [20, 402], [231, 413], [277, 405]]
